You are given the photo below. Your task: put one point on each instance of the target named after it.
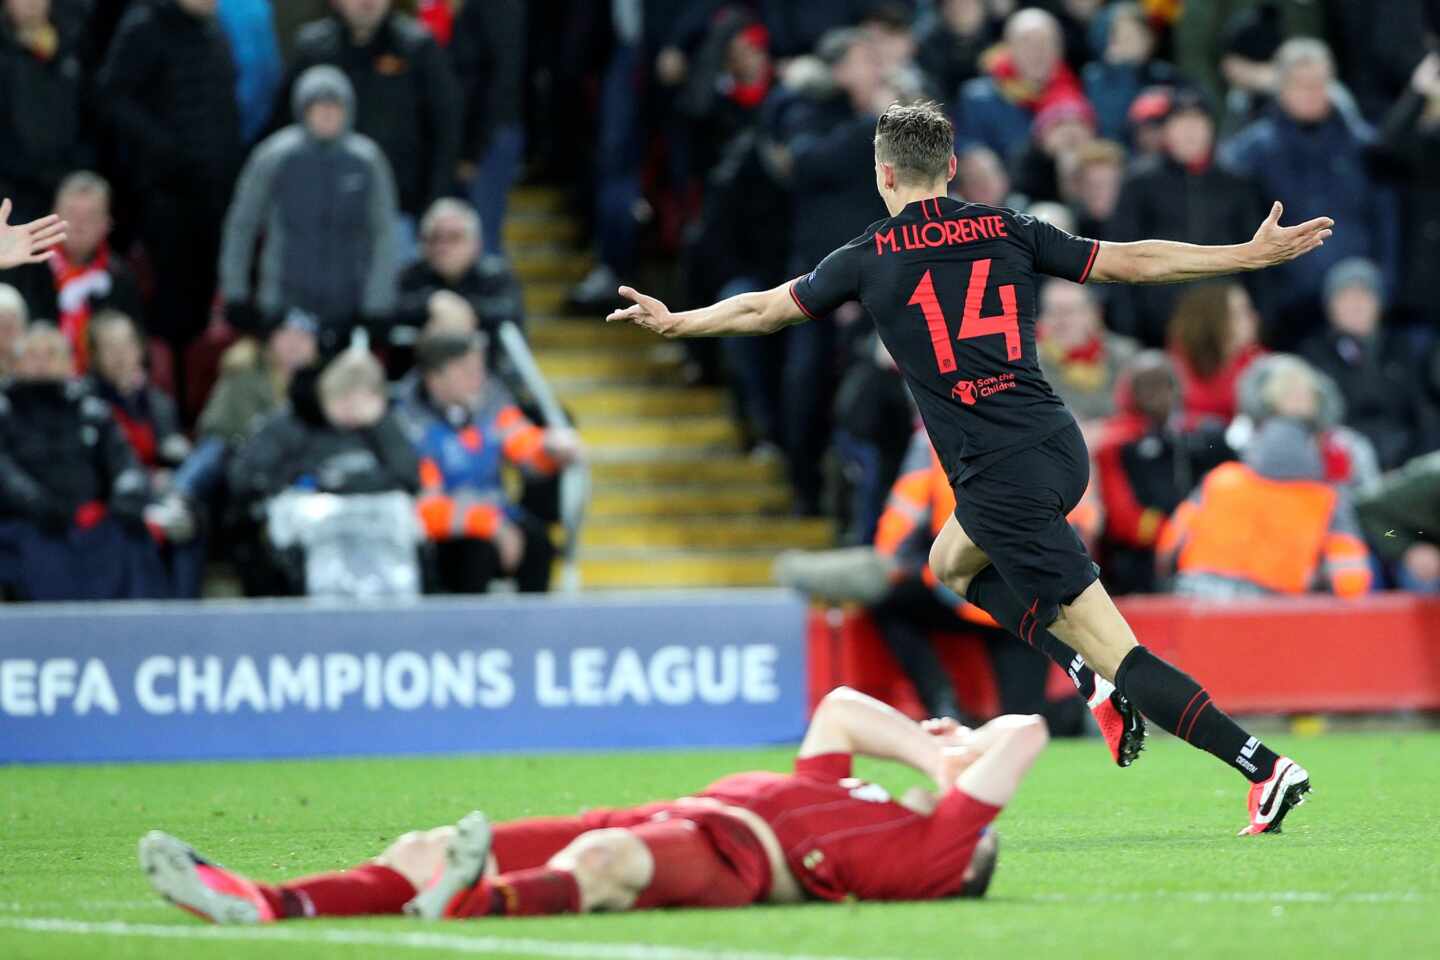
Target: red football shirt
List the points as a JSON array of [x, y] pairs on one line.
[[847, 837]]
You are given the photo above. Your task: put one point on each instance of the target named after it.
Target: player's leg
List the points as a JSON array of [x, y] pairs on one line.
[[214, 893], [966, 569], [1173, 699]]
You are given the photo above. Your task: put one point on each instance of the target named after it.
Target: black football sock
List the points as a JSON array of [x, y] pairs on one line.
[[989, 591], [1172, 699]]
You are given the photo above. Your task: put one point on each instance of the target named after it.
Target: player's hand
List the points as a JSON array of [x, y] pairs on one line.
[[1426, 78], [645, 311], [28, 242], [953, 762], [1274, 244], [948, 732], [510, 544], [563, 445]]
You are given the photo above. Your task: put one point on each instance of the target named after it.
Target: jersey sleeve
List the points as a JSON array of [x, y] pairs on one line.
[[835, 281], [827, 767], [1057, 253]]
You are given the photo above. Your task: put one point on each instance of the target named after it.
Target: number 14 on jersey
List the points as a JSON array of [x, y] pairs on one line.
[[971, 323]]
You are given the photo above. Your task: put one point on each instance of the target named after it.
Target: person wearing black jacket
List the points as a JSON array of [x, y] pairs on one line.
[[41, 86], [72, 495], [1409, 151], [336, 437], [1376, 370], [406, 96], [489, 56], [1178, 195], [450, 235], [167, 91], [827, 159]]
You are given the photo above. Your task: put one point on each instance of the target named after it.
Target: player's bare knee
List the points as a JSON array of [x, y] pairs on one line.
[[610, 866], [1031, 734], [417, 855]]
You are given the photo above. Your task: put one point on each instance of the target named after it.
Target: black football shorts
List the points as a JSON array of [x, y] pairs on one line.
[[1015, 510]]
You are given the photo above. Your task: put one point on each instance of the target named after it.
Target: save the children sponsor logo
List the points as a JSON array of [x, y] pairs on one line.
[[970, 392]]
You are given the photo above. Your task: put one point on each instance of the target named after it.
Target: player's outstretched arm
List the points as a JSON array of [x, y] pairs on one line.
[[1168, 261], [27, 242], [763, 311], [848, 721]]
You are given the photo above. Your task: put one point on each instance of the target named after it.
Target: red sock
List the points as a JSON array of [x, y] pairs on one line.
[[523, 844], [522, 893], [366, 889]]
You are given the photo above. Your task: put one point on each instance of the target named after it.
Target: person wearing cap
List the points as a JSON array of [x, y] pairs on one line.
[[407, 98], [1178, 194], [465, 427], [1059, 131], [324, 198], [1377, 374]]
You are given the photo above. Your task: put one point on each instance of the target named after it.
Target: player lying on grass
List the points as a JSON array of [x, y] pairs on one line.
[[1011, 449], [760, 837]]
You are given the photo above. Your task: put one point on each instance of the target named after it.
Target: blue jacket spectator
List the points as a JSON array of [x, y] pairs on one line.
[[465, 428], [249, 25], [1311, 156], [1127, 67]]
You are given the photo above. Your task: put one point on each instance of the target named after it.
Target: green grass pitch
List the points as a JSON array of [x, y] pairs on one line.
[[1095, 861]]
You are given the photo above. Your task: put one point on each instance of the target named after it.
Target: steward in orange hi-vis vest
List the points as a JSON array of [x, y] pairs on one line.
[[1267, 526]]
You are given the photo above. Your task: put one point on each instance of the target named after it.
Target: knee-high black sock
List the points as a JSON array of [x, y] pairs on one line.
[[1172, 699], [989, 591]]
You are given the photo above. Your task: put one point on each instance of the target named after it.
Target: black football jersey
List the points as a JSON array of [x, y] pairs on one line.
[[953, 290]]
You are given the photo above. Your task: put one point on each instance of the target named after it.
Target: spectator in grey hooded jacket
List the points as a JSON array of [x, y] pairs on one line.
[[325, 199]]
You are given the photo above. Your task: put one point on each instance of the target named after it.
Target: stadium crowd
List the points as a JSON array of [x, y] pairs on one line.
[[285, 278]]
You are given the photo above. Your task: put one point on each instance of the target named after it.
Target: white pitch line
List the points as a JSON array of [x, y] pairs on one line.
[[456, 943], [1234, 896]]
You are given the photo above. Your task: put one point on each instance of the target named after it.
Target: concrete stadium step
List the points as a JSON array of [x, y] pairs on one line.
[[646, 402], [705, 533], [658, 570], [574, 333], [569, 370], [522, 230], [546, 297], [685, 469], [687, 501], [669, 433], [536, 264], [538, 200]]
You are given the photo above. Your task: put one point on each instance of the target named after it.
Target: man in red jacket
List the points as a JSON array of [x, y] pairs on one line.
[[817, 833]]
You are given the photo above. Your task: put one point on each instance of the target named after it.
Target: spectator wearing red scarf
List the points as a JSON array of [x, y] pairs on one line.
[[1080, 358], [84, 276], [1023, 77]]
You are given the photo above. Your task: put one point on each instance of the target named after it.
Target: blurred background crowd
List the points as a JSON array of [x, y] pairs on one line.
[[285, 342]]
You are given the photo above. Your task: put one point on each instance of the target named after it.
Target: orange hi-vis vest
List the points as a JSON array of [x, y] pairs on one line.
[[1272, 533]]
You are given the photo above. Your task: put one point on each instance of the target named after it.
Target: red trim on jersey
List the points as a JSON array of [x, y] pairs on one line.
[[803, 309], [1085, 274], [924, 209]]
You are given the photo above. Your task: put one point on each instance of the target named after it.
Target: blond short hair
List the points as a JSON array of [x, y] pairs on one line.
[[354, 371]]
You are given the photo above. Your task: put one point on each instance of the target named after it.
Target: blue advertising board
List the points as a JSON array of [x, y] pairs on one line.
[[295, 678]]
